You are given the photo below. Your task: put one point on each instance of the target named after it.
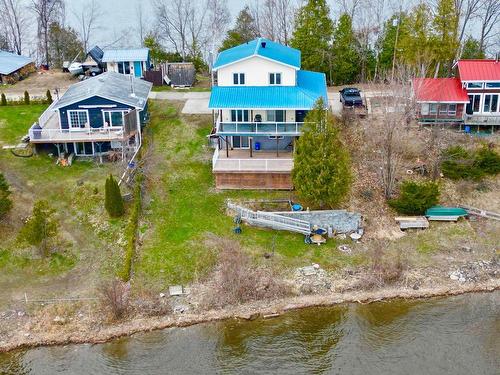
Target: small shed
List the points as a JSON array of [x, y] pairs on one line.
[[14, 67], [181, 74]]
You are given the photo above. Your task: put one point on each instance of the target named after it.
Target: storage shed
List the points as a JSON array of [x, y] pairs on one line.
[[14, 67]]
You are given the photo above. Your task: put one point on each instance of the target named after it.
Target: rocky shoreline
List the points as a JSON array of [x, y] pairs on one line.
[[76, 333]]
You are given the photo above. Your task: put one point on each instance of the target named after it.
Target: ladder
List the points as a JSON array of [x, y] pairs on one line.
[[271, 220], [482, 213]]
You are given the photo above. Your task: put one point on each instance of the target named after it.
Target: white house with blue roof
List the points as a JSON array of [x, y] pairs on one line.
[[133, 61], [260, 99]]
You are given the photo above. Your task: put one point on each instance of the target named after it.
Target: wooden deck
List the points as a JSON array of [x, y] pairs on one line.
[[260, 161]]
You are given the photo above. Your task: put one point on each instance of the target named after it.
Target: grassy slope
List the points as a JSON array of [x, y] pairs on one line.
[[185, 208], [84, 247]]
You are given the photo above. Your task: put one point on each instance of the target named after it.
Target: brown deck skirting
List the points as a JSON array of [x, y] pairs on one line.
[[253, 180]]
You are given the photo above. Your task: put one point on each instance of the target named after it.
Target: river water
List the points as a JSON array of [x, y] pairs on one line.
[[456, 335]]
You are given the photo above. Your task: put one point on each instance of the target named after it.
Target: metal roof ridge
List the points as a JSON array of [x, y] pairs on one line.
[[255, 52]]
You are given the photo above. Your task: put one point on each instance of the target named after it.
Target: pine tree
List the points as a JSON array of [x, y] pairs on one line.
[[40, 227], [113, 201], [49, 97], [5, 201], [445, 39], [472, 49], [26, 98], [345, 60], [244, 31], [313, 35], [3, 100], [322, 169]]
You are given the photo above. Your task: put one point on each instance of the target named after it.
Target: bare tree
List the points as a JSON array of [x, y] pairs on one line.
[[47, 11], [141, 28], [217, 19], [15, 22], [275, 19], [489, 15], [173, 18], [465, 10], [88, 18]]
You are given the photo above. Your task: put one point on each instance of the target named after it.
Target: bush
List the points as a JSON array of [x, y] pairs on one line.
[[238, 280], [3, 100], [5, 201], [49, 97], [487, 160], [26, 98], [115, 296], [113, 201], [40, 227], [416, 197]]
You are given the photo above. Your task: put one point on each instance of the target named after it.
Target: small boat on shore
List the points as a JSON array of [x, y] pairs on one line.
[[75, 68]]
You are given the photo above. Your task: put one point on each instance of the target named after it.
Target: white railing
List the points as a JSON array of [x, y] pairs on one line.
[[215, 157], [264, 128], [252, 165], [48, 113], [83, 134], [482, 119]]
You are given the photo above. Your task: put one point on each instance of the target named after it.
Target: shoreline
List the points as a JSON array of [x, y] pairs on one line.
[[250, 311]]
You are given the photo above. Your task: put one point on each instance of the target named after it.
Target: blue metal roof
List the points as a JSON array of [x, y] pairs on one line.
[[259, 47], [134, 54], [310, 87], [10, 62]]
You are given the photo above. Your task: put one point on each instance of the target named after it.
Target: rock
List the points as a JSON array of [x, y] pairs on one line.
[[454, 276], [467, 249], [462, 279], [316, 266], [162, 295], [179, 309], [59, 320], [21, 314], [26, 335], [345, 249]]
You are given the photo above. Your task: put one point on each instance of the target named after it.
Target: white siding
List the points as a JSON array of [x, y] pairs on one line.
[[256, 71]]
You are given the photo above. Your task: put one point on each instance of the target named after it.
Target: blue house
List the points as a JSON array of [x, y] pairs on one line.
[[95, 116], [127, 61], [261, 100]]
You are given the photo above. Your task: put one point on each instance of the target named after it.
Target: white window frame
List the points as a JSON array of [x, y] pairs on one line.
[[110, 120], [239, 76], [274, 75], [424, 109], [450, 112], [87, 123], [433, 108], [443, 109], [475, 83]]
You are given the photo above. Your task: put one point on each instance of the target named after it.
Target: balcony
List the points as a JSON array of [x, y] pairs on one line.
[[261, 161], [260, 128], [48, 130], [482, 120]]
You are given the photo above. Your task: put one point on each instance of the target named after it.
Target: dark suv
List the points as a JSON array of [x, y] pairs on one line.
[[351, 97]]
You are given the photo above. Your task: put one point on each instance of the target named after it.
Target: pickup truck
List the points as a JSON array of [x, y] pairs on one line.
[[351, 99]]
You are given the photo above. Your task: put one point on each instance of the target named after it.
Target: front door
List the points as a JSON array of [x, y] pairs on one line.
[[137, 69]]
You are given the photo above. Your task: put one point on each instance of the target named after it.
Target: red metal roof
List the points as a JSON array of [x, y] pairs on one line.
[[479, 70], [443, 90]]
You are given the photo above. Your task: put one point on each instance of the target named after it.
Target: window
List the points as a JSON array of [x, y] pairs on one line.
[[452, 109], [443, 109], [275, 137], [424, 110], [239, 115], [487, 102], [433, 108], [475, 85], [275, 78], [124, 67], [239, 78], [78, 119], [275, 116], [492, 85], [113, 118], [494, 103], [473, 105]]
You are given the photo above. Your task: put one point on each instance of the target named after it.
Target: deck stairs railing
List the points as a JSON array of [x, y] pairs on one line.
[[271, 220]]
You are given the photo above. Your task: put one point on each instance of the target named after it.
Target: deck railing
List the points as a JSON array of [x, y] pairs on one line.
[[263, 128], [482, 120], [84, 134], [251, 164]]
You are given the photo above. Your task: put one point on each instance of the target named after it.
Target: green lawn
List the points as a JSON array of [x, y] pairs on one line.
[[88, 244], [185, 209]]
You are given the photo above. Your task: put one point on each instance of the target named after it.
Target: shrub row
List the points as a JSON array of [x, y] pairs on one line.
[[459, 163], [27, 100], [131, 231]]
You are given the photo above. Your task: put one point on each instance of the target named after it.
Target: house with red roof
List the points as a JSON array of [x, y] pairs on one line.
[[472, 99]]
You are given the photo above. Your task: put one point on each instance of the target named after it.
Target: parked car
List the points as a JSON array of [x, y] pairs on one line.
[[351, 97]]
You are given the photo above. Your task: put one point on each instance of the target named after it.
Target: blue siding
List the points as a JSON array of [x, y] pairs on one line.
[[95, 114]]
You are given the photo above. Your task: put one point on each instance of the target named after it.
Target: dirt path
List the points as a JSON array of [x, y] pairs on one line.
[[38, 83]]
